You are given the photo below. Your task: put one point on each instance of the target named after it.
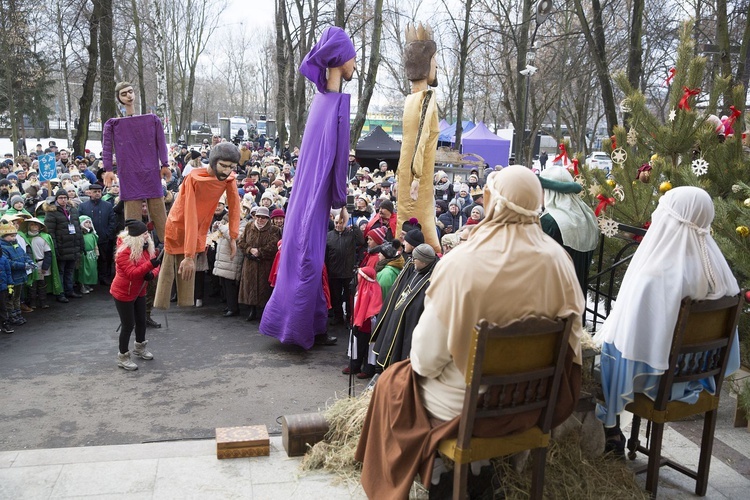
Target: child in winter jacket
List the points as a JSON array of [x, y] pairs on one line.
[[41, 252], [367, 303], [6, 283], [20, 264], [87, 273]]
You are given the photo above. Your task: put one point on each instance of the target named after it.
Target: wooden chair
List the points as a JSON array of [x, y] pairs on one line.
[[520, 365], [702, 337]]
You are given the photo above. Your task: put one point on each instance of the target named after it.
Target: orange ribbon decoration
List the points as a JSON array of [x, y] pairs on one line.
[[687, 94], [562, 156], [669, 79], [604, 202]]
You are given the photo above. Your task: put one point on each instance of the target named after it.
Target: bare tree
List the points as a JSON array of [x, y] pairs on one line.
[[370, 76], [87, 95]]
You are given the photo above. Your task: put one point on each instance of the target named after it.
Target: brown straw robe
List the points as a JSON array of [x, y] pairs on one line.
[[510, 270]]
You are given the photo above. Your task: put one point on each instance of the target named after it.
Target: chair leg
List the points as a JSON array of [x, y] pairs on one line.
[[634, 441], [537, 474], [707, 444], [654, 459], [460, 481]]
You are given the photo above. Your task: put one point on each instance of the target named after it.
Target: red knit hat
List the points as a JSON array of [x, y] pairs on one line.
[[277, 212], [377, 235]]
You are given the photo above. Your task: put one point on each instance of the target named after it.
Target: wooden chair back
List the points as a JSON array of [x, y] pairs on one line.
[[518, 366], [702, 338]]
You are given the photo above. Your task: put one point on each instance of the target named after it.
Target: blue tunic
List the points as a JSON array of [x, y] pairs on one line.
[[622, 378]]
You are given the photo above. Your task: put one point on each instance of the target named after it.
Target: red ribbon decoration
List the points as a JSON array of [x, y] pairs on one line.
[[728, 121], [669, 79], [644, 168], [639, 238], [604, 202], [687, 94], [562, 156], [614, 142], [575, 166]]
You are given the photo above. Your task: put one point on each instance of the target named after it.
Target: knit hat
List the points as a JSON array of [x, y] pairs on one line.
[[60, 192], [415, 238], [262, 212], [424, 253], [388, 205], [11, 177], [7, 228], [16, 199], [194, 155], [377, 235], [277, 212], [387, 250], [135, 227], [410, 224]]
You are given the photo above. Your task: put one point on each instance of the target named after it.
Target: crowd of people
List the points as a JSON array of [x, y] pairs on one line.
[[64, 236]]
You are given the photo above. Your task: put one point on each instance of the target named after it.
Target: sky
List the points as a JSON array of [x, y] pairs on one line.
[[256, 14]]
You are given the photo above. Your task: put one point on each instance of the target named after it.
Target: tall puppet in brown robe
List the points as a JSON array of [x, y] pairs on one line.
[[417, 162]]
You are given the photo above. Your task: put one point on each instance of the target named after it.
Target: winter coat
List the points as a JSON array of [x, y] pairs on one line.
[[129, 284], [18, 260], [224, 266], [103, 217], [457, 221], [341, 251], [387, 276], [67, 246], [255, 290], [6, 275]]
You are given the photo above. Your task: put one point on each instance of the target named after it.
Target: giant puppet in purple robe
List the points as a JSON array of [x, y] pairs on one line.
[[297, 312]]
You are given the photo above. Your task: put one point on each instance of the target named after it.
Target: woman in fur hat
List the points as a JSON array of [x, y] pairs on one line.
[[136, 263], [259, 244]]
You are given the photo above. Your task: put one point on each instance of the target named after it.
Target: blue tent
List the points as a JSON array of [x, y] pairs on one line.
[[448, 135]]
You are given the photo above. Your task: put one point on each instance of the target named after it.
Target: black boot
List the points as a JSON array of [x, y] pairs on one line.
[[6, 328], [253, 314]]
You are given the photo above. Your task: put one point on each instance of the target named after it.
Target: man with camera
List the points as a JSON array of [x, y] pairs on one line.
[[342, 245]]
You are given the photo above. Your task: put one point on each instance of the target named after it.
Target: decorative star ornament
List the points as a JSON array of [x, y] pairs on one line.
[[619, 156], [672, 115]]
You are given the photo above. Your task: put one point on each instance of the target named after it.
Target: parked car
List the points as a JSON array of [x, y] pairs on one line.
[[600, 160]]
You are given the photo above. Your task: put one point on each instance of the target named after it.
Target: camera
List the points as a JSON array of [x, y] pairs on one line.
[[350, 203]]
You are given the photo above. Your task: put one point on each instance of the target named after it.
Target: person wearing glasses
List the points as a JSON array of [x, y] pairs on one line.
[[64, 227]]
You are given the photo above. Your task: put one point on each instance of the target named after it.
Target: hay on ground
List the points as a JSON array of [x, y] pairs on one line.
[[568, 473]]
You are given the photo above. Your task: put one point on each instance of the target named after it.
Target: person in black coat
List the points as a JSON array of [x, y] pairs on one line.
[[63, 225], [105, 222], [342, 244]]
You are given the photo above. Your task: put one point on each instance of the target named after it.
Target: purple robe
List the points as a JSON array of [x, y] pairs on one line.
[[297, 310], [141, 150]]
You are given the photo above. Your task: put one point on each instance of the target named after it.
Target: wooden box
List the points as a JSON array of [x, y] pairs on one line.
[[239, 442], [298, 432]]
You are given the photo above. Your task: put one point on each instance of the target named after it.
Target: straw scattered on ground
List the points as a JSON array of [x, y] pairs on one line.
[[336, 453], [568, 473]]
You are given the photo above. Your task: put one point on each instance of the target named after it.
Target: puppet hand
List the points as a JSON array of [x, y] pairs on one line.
[[108, 178], [414, 189], [187, 268], [232, 248]]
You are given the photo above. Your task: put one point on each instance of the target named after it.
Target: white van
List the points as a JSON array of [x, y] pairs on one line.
[[235, 124]]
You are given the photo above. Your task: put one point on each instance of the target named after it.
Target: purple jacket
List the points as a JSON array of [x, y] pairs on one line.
[[141, 149]]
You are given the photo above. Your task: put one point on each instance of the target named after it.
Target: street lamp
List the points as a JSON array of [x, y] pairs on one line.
[[543, 9]]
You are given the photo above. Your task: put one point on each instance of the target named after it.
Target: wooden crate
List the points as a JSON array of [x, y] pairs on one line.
[[298, 432], [239, 442]]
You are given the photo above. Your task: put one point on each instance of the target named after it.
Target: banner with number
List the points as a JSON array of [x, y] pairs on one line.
[[47, 169]]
